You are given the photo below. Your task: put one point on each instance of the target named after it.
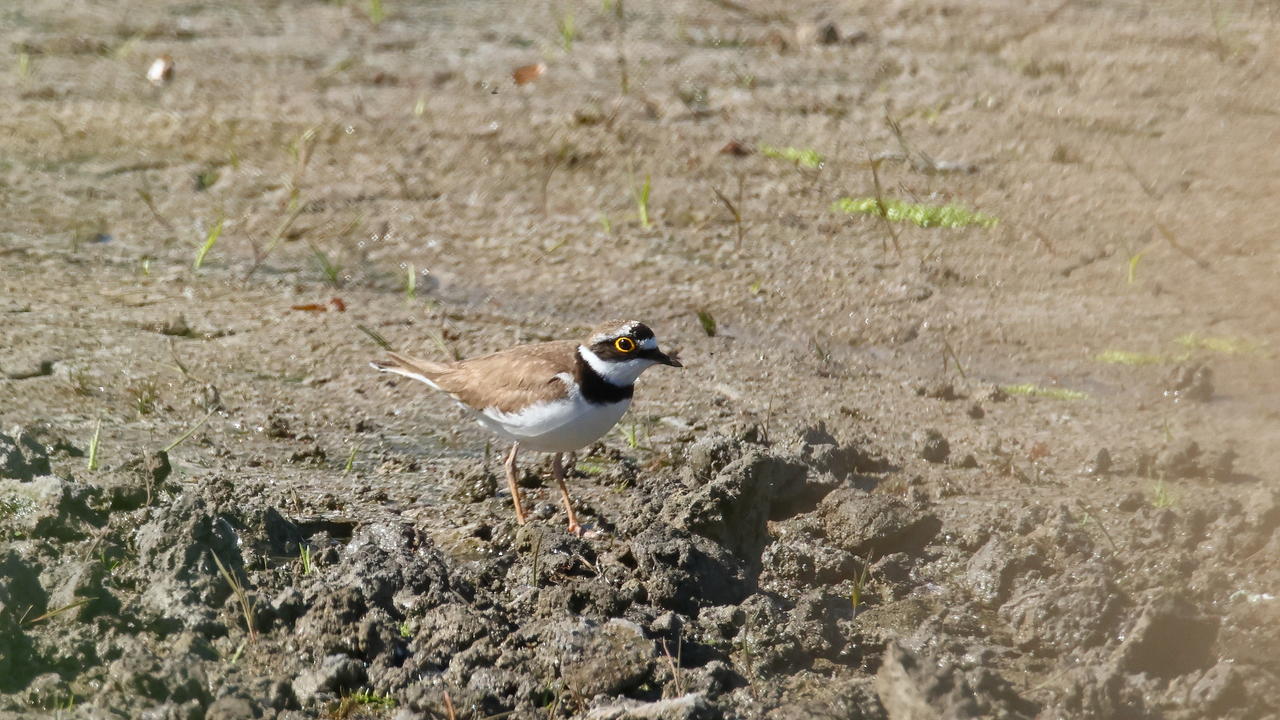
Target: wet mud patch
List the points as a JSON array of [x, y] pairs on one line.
[[773, 582]]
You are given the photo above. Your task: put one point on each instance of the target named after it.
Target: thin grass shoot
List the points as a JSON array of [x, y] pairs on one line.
[[92, 464], [1126, 357], [351, 460], [641, 193], [568, 31], [1223, 345], [1053, 393], [183, 437], [210, 239], [304, 558], [247, 607], [410, 281]]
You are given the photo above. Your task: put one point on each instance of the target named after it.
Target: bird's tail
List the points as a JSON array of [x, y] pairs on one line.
[[422, 370]]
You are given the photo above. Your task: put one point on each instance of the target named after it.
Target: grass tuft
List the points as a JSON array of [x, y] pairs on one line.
[[568, 31], [642, 201], [708, 322], [1162, 498], [360, 703], [860, 585], [304, 557], [949, 215], [145, 393], [331, 271], [807, 158], [1032, 390]]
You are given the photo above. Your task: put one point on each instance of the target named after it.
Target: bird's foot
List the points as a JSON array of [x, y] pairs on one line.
[[586, 532]]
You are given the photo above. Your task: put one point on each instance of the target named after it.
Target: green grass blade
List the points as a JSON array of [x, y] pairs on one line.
[[209, 241]]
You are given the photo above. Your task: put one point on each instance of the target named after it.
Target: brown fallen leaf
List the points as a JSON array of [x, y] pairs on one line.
[[526, 74], [338, 304], [735, 148], [310, 307]]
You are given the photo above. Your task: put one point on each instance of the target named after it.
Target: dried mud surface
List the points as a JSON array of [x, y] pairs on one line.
[[901, 479]]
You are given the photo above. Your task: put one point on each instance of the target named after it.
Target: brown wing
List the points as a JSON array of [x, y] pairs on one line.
[[511, 379]]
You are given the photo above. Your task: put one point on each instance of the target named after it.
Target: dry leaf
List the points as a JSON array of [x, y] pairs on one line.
[[338, 304], [526, 74], [310, 307]]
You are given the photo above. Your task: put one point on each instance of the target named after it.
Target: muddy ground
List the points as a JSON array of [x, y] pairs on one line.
[[1026, 470]]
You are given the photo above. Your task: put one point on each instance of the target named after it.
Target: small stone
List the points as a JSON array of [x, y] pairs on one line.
[[476, 485], [1221, 465], [335, 674], [1191, 382], [1170, 638], [693, 706], [910, 686], [232, 707], [932, 446], [1180, 459], [611, 658], [942, 391], [968, 462], [1131, 502], [1100, 464], [278, 426], [857, 37], [976, 412], [666, 623]]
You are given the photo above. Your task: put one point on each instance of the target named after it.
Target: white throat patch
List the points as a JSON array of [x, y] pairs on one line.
[[620, 373]]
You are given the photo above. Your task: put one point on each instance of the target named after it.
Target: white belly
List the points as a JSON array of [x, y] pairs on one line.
[[561, 426]]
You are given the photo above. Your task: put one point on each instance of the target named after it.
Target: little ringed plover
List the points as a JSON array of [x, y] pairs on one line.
[[553, 397]]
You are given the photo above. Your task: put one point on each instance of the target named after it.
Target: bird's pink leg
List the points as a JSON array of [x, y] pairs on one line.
[[510, 464], [557, 469]]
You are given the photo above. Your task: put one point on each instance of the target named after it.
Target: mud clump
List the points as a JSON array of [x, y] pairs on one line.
[[21, 457], [932, 446]]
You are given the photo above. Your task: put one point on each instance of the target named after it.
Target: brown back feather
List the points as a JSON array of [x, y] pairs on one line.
[[508, 380]]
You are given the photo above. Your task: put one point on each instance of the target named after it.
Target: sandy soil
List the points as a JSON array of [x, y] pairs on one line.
[[847, 505]]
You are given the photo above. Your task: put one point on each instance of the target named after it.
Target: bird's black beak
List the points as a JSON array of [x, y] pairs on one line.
[[660, 357]]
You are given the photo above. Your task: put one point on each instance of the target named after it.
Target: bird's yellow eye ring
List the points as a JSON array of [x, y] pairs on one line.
[[625, 344]]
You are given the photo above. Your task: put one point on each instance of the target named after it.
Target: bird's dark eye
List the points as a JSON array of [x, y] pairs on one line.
[[625, 344]]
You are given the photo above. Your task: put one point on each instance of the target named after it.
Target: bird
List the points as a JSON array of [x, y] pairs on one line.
[[551, 397]]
